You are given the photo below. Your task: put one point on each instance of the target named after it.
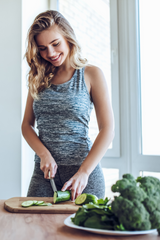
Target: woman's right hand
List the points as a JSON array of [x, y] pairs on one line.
[[48, 164]]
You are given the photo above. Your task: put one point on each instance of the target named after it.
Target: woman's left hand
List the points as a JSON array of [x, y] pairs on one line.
[[76, 184]]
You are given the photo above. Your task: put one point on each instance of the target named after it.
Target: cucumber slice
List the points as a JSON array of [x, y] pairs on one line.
[[39, 203], [86, 198], [81, 199], [35, 203], [27, 203], [46, 204], [60, 196]]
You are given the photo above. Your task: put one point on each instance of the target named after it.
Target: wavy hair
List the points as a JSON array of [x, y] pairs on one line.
[[41, 71]]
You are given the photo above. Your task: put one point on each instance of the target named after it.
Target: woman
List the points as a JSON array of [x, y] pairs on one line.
[[63, 88]]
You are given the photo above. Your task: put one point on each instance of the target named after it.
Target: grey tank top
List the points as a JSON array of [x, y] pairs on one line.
[[62, 114]]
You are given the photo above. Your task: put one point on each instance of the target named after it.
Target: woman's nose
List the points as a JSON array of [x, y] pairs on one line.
[[51, 52]]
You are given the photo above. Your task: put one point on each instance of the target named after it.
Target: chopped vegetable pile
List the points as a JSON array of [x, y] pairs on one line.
[[98, 215], [136, 208]]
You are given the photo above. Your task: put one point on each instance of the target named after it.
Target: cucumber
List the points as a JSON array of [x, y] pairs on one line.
[[27, 203], [86, 198], [46, 204], [39, 203], [35, 203], [60, 196]]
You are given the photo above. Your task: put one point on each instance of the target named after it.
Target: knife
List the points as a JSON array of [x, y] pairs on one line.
[[52, 183]]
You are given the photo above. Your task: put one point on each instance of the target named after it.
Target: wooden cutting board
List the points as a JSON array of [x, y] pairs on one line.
[[14, 205]]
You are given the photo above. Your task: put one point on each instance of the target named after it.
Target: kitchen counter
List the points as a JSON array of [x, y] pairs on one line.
[[21, 226]]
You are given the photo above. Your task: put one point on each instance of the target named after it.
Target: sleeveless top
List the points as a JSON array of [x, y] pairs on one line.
[[62, 114]]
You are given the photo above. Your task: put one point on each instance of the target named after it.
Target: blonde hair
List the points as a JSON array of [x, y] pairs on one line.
[[41, 71]]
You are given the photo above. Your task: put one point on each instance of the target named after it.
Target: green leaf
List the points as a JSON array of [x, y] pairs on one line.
[[119, 227], [100, 201], [92, 205], [80, 217]]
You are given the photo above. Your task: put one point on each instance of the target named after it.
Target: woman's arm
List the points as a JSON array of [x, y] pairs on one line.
[[47, 161], [105, 119]]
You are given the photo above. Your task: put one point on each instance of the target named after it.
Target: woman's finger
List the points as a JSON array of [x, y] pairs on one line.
[[67, 185], [46, 173], [53, 171], [78, 191], [74, 190], [73, 193]]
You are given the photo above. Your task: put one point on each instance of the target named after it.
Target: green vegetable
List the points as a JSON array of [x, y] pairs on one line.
[[81, 216], [124, 183], [93, 205], [39, 203], [132, 214], [138, 205], [95, 222], [46, 204], [151, 186], [97, 216], [86, 198], [136, 208], [35, 203], [60, 196], [102, 201], [27, 203]]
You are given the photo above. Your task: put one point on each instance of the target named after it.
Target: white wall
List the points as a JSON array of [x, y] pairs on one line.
[[16, 157], [10, 98], [30, 9]]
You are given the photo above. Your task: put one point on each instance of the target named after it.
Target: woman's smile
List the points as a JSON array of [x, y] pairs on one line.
[[56, 58]]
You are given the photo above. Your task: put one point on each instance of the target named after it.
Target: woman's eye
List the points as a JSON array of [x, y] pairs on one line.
[[56, 44], [42, 49]]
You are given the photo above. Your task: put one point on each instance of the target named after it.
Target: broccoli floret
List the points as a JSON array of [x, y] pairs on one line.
[[155, 219], [127, 181], [130, 178], [150, 185], [152, 203], [120, 185], [132, 214], [134, 192]]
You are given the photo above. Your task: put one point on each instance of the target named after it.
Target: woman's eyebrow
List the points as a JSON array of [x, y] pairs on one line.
[[49, 43]]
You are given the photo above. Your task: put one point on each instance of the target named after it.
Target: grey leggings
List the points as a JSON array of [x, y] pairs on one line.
[[41, 187]]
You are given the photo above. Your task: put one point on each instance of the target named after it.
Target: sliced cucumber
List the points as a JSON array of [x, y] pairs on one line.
[[27, 203], [35, 203], [46, 204], [60, 196], [86, 198], [80, 199], [39, 203]]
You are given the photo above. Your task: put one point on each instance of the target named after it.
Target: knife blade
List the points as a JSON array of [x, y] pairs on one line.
[[52, 183]]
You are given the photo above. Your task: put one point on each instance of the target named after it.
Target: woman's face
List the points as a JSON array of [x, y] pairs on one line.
[[52, 46]]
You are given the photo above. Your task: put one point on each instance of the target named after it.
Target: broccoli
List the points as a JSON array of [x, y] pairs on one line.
[[138, 205], [132, 214], [127, 181], [134, 193], [150, 185]]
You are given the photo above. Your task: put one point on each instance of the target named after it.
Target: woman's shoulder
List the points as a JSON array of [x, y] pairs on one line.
[[92, 69], [93, 73]]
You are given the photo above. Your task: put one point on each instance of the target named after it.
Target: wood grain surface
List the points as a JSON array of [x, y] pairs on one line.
[[19, 226], [14, 205]]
